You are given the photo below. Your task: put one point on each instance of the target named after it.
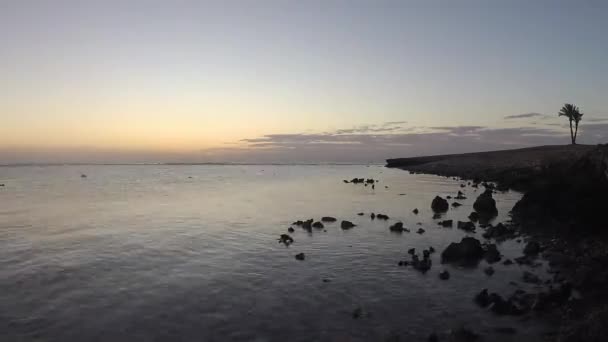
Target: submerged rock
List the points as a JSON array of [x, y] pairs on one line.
[[439, 205]]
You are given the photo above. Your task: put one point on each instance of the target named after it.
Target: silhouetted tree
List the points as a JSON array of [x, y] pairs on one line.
[[574, 115]]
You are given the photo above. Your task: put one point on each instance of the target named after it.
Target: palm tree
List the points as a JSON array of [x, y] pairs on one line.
[[574, 115]]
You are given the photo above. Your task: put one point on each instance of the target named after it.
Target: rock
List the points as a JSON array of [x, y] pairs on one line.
[[83, 176], [416, 211], [530, 278], [485, 205], [474, 216], [286, 239], [467, 251], [496, 232], [489, 270], [462, 335], [460, 196], [382, 217], [325, 280], [433, 338], [491, 254], [372, 216], [421, 265], [300, 256], [397, 227], [307, 225], [436, 216], [446, 223], [318, 225], [466, 226], [456, 204], [291, 230], [357, 313], [508, 262], [444, 275], [411, 251], [483, 298], [345, 181], [420, 231], [448, 197], [439, 205], [347, 225], [532, 248], [298, 223], [361, 214], [431, 249], [328, 219]]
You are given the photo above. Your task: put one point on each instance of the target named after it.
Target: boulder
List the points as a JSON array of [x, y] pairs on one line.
[[496, 232], [446, 223], [328, 219], [420, 231], [530, 278], [439, 205], [300, 256], [416, 211], [467, 251], [397, 227], [382, 217], [489, 270], [456, 204], [474, 216], [485, 205], [444, 275], [347, 225], [290, 229]]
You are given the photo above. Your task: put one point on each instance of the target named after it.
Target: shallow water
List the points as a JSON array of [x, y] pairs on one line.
[[190, 253]]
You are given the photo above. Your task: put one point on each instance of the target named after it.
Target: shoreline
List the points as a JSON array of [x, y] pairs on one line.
[[564, 191]]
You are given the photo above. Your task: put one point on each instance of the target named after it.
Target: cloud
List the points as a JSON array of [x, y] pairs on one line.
[[525, 116]]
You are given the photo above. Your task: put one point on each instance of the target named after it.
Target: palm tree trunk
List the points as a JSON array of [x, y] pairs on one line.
[[575, 131], [571, 133]]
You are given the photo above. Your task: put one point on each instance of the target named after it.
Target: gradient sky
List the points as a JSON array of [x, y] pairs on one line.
[[145, 81]]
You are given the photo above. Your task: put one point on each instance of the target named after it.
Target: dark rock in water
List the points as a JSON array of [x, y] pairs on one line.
[[382, 217], [411, 251], [2, 184], [345, 181], [420, 231], [439, 205], [415, 211], [291, 230], [397, 227], [530, 278], [525, 260], [328, 219], [361, 214], [460, 196], [456, 204], [497, 232], [508, 262], [421, 265], [298, 223], [372, 216], [307, 225], [433, 338], [466, 226], [468, 250], [83, 176], [444, 275], [532, 248], [463, 185], [446, 223], [489, 270], [485, 205], [436, 216], [431, 249], [325, 280], [474, 216], [448, 197], [483, 298], [347, 225], [491, 254], [371, 181], [318, 225], [286, 239], [300, 256], [426, 253]]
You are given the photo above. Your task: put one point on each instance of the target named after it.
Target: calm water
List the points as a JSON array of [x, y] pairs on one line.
[[190, 253]]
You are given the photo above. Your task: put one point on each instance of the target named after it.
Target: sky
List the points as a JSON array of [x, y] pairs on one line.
[[295, 81]]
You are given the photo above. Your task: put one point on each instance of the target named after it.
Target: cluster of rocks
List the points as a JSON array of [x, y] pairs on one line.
[[521, 302], [469, 251], [422, 265]]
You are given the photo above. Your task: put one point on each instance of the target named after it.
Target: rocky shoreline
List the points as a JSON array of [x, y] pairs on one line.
[[565, 189]]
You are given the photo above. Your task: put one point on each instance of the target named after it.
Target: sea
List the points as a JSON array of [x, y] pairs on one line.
[[191, 253]]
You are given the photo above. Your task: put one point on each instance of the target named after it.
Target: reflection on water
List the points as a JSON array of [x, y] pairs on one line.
[[190, 253]]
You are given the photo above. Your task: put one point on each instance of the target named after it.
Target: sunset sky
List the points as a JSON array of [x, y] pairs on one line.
[[291, 81]]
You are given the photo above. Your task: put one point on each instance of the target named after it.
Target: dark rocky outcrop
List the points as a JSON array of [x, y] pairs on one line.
[[439, 205], [485, 205], [467, 251]]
